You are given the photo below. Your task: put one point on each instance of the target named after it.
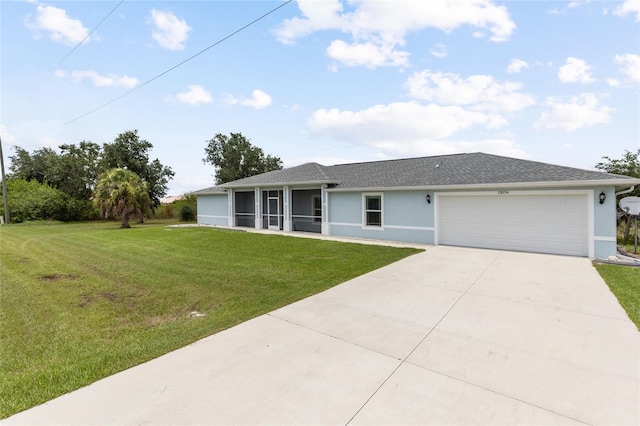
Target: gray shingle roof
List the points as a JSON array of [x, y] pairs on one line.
[[458, 169], [305, 173], [444, 170]]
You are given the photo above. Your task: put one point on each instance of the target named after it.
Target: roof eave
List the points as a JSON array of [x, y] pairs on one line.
[[279, 184], [208, 192], [617, 183]]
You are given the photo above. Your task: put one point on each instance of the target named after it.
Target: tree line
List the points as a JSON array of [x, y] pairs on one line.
[[46, 184], [87, 181]]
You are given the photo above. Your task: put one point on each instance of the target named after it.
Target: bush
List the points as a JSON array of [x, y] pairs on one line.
[[187, 213], [34, 201], [185, 209], [31, 200]]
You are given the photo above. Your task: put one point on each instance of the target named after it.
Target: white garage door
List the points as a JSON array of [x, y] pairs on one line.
[[538, 223]]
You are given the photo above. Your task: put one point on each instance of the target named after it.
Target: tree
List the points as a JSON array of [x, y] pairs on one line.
[[234, 157], [628, 165], [73, 172], [43, 165], [81, 167], [129, 152], [121, 193]]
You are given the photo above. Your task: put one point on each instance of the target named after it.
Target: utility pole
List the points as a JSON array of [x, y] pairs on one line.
[[7, 218]]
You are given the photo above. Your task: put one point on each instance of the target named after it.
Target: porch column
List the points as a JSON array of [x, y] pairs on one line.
[[286, 211], [258, 208], [324, 196], [231, 209]]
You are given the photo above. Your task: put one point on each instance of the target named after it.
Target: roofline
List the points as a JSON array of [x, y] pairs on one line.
[[265, 185], [618, 183], [208, 191]]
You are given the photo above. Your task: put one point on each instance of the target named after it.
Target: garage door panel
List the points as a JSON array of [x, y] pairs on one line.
[[539, 223]]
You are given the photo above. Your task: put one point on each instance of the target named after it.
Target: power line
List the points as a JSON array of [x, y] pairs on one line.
[[180, 64], [91, 32]]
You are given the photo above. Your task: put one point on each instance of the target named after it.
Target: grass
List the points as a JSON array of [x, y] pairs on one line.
[[624, 282], [80, 302]]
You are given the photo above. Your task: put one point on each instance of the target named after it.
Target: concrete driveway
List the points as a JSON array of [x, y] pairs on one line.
[[448, 336]]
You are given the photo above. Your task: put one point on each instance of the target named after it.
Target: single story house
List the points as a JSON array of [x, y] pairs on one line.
[[472, 200]]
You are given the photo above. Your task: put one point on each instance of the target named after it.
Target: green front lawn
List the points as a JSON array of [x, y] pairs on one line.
[[83, 301], [624, 282]]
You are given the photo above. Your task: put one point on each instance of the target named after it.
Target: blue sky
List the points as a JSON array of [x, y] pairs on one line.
[[326, 80]]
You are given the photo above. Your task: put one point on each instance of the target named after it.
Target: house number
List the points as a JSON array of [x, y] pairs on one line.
[[503, 192]]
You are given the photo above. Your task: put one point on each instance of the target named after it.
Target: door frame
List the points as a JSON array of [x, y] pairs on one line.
[[270, 214]]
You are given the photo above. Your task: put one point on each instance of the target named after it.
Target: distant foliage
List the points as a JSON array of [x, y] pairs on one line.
[[31, 200], [173, 210], [131, 153], [187, 207], [628, 165], [187, 213], [234, 157], [74, 170]]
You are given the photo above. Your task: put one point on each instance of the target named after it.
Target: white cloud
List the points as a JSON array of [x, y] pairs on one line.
[[398, 121], [195, 95], [579, 111], [575, 71], [630, 66], [378, 28], [440, 51], [170, 32], [368, 54], [516, 65], [58, 25], [109, 80], [629, 7], [408, 129], [258, 100], [612, 82], [480, 92], [577, 3]]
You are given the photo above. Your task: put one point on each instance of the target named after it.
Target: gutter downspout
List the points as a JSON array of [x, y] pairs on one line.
[[626, 191]]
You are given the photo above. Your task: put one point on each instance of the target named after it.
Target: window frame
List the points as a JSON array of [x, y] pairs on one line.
[[365, 210], [316, 218]]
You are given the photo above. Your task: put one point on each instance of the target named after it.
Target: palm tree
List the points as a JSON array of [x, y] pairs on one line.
[[121, 193]]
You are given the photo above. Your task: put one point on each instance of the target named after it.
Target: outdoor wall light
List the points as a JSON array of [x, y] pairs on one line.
[[602, 197], [428, 198]]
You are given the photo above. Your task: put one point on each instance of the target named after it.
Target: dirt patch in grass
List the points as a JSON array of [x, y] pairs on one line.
[[158, 320], [58, 277]]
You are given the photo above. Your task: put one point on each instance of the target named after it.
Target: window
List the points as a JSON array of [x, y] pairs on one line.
[[317, 209], [373, 210]]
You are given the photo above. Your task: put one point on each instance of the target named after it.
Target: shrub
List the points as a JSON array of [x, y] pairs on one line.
[[30, 200], [187, 213]]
